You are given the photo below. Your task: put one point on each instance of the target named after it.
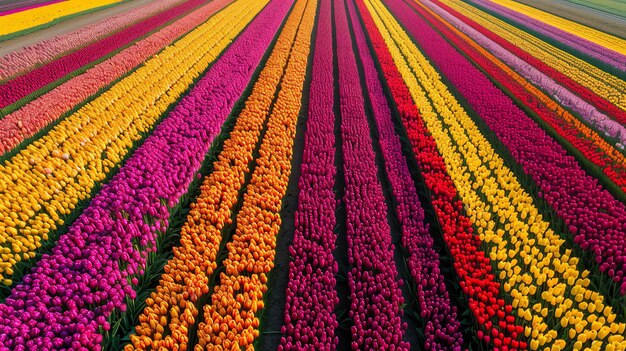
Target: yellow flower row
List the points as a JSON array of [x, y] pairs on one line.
[[608, 41], [186, 279], [602, 83], [47, 179], [22, 20], [231, 319], [540, 277]]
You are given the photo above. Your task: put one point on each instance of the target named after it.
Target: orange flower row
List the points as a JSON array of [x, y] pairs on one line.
[[172, 310], [231, 321]]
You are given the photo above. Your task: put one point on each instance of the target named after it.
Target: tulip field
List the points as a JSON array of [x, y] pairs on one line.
[[312, 175]]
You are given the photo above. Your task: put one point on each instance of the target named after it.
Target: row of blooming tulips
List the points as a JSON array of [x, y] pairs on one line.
[[595, 218], [441, 323], [26, 84], [596, 36], [35, 17], [585, 140], [174, 306], [589, 113], [31, 56], [375, 295], [548, 292], [311, 296], [231, 317], [494, 316], [581, 44], [94, 267], [30, 119], [45, 181], [603, 84]]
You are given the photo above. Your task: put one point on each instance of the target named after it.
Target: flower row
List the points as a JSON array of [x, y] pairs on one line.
[[595, 218], [27, 58], [441, 328], [94, 267], [565, 68], [45, 181], [494, 316], [538, 273], [375, 294], [231, 317], [594, 147], [174, 306], [17, 22], [311, 296], [28, 83], [27, 121]]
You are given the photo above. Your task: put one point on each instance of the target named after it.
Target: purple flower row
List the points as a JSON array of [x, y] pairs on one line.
[[598, 120], [585, 46], [311, 296], [441, 330], [592, 214], [20, 87], [93, 268], [45, 51], [375, 294]]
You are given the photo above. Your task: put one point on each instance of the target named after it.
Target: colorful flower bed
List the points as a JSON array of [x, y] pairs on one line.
[[314, 175]]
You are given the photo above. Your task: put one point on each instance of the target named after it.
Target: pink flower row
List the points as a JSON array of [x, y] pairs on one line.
[[310, 321], [45, 51], [375, 295], [25, 122]]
